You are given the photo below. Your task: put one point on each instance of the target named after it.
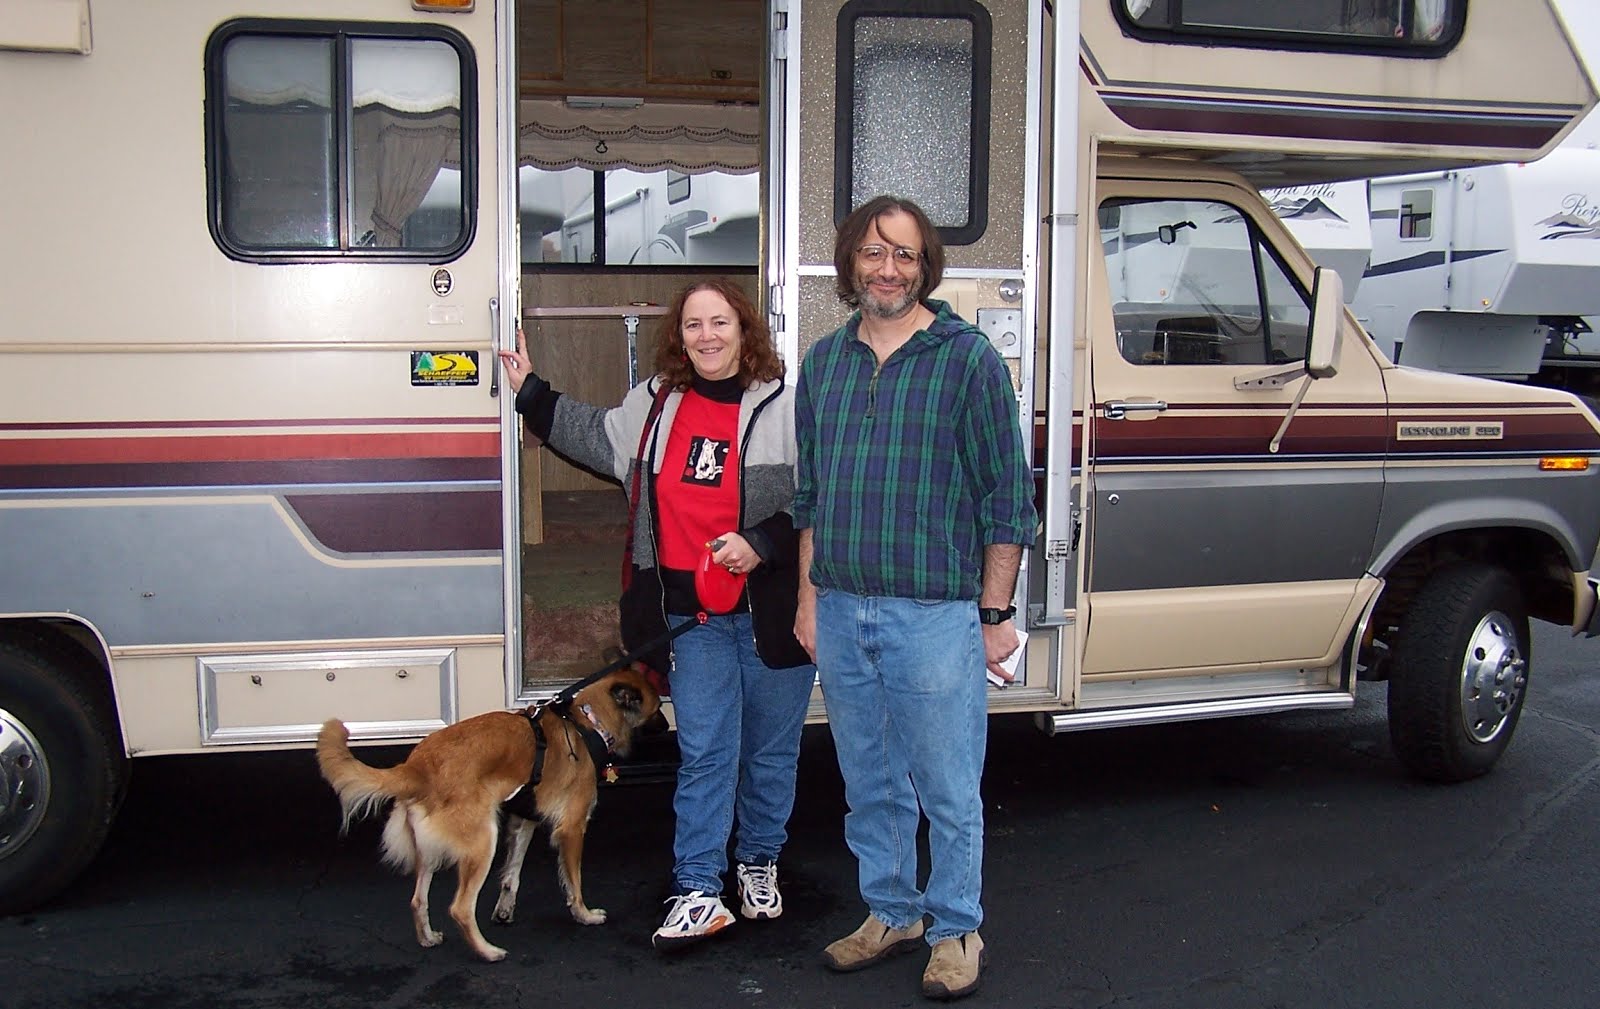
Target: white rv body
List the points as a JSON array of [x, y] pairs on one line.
[[1330, 221], [261, 471], [1485, 270]]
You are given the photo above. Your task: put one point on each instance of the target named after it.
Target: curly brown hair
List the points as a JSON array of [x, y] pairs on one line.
[[758, 358]]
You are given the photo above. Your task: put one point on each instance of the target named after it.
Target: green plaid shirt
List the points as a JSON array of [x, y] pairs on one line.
[[906, 473]]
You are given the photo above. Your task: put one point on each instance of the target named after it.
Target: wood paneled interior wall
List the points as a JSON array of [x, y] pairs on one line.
[[645, 48], [588, 358]]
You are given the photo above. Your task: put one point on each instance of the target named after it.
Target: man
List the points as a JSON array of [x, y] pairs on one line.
[[914, 503]]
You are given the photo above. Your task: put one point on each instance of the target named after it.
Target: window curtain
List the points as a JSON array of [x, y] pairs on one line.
[[1430, 20], [397, 158], [651, 137]]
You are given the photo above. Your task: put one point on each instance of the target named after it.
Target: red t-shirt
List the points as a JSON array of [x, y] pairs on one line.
[[697, 491]]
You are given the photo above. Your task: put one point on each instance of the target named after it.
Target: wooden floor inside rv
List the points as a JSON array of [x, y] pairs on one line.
[[570, 584]]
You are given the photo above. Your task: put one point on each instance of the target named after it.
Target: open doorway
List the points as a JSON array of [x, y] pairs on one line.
[[640, 159]]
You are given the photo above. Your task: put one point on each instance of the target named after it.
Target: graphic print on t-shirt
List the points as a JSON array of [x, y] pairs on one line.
[[707, 457]]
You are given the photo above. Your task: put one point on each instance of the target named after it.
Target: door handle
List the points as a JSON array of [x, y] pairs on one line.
[[494, 348], [1118, 409]]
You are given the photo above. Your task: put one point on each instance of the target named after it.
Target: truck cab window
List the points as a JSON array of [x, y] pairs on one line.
[[1193, 283], [323, 142]]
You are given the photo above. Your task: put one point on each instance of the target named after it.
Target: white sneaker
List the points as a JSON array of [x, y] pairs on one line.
[[758, 891], [690, 918]]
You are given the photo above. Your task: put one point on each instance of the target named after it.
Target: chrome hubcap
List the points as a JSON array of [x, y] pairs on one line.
[[1493, 675], [24, 783]]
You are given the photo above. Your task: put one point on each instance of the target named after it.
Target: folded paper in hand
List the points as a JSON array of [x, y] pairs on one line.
[[1012, 664]]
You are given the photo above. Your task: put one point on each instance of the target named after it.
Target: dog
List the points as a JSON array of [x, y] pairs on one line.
[[448, 793]]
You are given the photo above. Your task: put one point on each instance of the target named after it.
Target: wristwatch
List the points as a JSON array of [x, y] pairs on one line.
[[991, 615]]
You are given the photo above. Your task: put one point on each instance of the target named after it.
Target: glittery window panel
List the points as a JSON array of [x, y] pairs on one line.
[[912, 114]]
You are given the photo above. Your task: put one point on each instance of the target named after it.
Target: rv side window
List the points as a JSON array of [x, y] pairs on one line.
[[327, 141], [1194, 282], [1403, 27], [661, 218], [912, 110], [1416, 213]]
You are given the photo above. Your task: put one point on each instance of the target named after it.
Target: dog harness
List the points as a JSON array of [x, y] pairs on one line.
[[522, 801]]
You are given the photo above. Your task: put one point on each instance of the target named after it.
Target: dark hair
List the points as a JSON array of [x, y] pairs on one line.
[[853, 230], [758, 358]]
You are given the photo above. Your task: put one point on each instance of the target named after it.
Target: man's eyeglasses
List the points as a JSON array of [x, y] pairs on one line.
[[874, 255]]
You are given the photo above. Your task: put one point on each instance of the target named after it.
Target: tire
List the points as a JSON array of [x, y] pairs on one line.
[[62, 768], [1460, 673]]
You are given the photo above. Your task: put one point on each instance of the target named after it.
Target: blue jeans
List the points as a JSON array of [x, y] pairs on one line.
[[908, 705], [739, 739]]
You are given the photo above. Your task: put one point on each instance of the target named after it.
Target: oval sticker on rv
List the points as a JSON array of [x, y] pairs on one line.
[[442, 282]]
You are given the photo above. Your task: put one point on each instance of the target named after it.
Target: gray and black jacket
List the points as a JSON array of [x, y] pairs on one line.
[[606, 441]]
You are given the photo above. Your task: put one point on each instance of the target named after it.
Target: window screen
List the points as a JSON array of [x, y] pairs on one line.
[[912, 113]]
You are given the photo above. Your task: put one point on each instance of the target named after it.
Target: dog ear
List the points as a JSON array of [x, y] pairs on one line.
[[627, 696]]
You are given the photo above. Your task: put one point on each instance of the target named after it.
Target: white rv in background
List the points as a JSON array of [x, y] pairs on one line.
[[1479, 271], [661, 218], [1331, 221]]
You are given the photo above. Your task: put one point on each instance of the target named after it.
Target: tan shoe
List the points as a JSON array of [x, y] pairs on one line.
[[953, 968], [872, 942]]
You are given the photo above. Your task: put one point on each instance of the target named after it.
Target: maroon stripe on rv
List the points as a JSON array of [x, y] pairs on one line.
[[1240, 436], [1322, 123], [1369, 436], [404, 522], [262, 473]]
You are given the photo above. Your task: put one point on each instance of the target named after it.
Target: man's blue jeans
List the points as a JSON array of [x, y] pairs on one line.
[[739, 739], [907, 701]]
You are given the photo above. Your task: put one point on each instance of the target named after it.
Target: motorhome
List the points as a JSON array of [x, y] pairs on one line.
[[257, 468], [1484, 270]]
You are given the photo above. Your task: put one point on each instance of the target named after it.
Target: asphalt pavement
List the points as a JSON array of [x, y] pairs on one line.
[[1260, 862]]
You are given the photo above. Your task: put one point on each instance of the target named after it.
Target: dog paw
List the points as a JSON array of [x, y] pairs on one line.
[[430, 938], [589, 915], [504, 914], [493, 954]]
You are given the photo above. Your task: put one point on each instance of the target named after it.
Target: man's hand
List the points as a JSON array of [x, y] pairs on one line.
[[999, 642], [805, 620]]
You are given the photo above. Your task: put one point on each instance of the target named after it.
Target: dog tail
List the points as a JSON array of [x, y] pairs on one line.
[[362, 789]]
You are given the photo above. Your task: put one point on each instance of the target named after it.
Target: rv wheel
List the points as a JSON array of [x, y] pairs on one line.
[[1460, 673], [62, 769]]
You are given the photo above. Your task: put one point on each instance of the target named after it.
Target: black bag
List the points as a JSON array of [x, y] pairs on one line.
[[641, 610], [640, 614]]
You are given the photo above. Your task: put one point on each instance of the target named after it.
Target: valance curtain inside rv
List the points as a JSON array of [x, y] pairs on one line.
[[405, 122], [686, 138]]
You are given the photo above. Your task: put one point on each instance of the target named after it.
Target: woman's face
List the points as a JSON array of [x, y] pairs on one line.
[[711, 335]]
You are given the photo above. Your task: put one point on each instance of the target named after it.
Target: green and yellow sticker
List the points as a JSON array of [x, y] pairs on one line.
[[444, 367]]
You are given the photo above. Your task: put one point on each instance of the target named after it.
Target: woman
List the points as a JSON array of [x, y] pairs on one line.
[[712, 435]]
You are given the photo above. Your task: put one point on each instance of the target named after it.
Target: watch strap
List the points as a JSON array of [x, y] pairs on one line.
[[994, 615]]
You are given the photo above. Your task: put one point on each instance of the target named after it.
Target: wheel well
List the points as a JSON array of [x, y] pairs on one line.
[[1535, 562], [72, 638]]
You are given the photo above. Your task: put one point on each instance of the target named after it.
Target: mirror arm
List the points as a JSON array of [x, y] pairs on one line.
[[1294, 407]]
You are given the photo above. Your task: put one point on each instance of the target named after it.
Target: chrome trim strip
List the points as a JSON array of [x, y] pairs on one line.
[[1074, 721]]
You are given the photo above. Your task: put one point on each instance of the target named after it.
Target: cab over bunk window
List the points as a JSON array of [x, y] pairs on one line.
[[1417, 27], [908, 74], [1193, 283], [324, 141]]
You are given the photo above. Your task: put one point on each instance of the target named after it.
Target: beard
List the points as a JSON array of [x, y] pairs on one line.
[[886, 308]]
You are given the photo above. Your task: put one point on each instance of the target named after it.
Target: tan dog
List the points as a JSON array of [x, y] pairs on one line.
[[447, 796]]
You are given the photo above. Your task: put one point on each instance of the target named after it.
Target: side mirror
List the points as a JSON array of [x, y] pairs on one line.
[[1327, 320]]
